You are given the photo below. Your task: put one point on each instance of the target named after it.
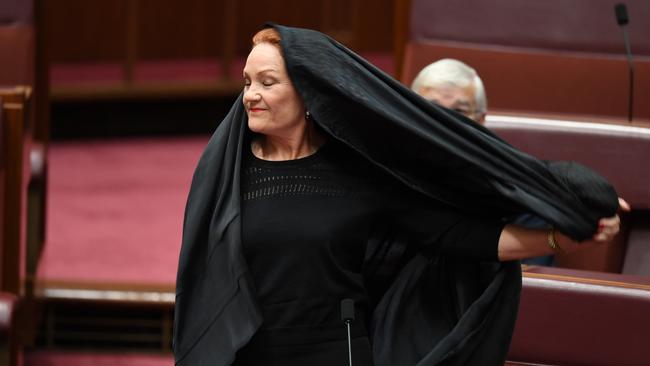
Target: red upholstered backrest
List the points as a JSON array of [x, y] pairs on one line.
[[637, 255], [554, 56], [582, 318], [619, 152], [16, 11], [553, 25]]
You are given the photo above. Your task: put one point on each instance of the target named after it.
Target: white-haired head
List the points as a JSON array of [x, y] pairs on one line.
[[450, 73]]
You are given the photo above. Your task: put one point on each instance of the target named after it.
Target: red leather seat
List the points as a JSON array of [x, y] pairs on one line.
[[556, 56], [570, 317]]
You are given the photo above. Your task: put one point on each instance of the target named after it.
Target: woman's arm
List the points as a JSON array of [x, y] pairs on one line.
[[517, 242]]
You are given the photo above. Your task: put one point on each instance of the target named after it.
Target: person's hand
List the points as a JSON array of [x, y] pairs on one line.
[[608, 227], [517, 242]]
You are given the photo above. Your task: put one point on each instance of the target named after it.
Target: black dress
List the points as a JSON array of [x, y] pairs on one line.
[[305, 227]]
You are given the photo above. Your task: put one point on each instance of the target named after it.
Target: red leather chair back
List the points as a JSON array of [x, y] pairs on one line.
[[620, 153], [582, 318], [556, 56]]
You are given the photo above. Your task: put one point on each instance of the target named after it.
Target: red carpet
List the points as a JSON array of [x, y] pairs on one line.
[[115, 209], [44, 358]]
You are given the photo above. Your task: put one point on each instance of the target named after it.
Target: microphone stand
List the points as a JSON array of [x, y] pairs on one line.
[[628, 51], [347, 315], [622, 19], [347, 323]]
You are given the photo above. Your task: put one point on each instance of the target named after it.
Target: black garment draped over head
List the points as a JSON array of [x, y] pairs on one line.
[[437, 311]]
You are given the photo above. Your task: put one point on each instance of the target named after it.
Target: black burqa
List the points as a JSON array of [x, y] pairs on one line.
[[438, 311]]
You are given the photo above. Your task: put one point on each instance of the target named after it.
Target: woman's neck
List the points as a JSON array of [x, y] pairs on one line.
[[290, 146]]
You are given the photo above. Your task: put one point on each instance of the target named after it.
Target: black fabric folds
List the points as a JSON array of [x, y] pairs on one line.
[[437, 311], [443, 155]]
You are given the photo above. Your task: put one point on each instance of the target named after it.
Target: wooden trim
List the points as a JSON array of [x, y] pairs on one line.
[[14, 107], [42, 78], [122, 292], [228, 34], [131, 40], [588, 281], [145, 91], [402, 13], [120, 286], [355, 24], [165, 293], [514, 117]]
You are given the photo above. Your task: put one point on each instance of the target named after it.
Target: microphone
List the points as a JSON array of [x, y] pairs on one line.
[[347, 315], [622, 19], [621, 14]]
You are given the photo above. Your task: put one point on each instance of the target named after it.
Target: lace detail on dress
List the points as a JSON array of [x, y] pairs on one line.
[[264, 182]]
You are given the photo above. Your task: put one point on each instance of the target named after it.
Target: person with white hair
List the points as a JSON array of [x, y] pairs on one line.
[[454, 85]]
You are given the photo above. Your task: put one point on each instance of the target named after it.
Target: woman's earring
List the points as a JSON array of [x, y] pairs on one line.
[[307, 115]]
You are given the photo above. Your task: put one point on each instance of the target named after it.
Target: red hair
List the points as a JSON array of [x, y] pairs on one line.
[[267, 35]]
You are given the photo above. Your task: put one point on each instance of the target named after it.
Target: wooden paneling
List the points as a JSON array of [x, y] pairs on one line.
[[252, 15], [172, 29], [364, 25], [376, 24], [102, 48], [88, 31], [83, 31], [401, 23]]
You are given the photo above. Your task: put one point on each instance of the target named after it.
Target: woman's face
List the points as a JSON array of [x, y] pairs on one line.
[[272, 103]]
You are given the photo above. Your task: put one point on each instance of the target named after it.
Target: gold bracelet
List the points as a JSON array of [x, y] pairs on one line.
[[552, 242]]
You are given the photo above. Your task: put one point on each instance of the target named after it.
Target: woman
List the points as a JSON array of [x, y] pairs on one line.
[[326, 154]]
